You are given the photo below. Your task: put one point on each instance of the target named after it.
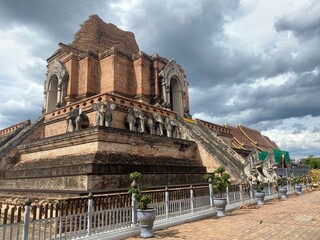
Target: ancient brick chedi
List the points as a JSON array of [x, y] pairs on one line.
[[110, 109], [105, 59]]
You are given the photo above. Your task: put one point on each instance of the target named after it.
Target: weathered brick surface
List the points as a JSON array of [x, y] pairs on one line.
[[105, 59], [98, 158], [98, 36]]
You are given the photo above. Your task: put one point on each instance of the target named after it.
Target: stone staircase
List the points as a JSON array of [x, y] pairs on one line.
[[223, 154], [18, 136], [4, 140]]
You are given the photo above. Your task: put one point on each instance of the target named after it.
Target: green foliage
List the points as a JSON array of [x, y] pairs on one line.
[[282, 181], [207, 176], [313, 162], [221, 180], [135, 176], [298, 179], [258, 184], [142, 199]]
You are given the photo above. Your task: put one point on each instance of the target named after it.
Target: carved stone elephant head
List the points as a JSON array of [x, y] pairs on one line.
[[76, 120], [103, 113]]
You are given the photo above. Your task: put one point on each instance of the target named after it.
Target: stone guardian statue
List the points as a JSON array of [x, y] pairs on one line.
[[103, 113], [168, 127], [76, 120], [131, 119], [151, 124], [159, 124], [140, 118]]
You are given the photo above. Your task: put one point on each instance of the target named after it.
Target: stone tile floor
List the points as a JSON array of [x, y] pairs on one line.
[[297, 217]]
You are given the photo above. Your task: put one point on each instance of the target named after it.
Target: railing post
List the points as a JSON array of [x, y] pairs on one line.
[[251, 189], [191, 199], [89, 225], [241, 193], [134, 205], [227, 193], [269, 188], [166, 200], [211, 192], [26, 219]]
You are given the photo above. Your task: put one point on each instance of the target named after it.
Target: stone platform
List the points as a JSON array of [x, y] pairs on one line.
[[99, 159]]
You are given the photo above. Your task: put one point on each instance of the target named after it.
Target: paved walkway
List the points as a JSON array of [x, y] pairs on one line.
[[297, 217]]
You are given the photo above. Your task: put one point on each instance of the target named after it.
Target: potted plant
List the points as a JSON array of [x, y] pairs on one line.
[[220, 183], [208, 176], [309, 183], [282, 186], [297, 180], [145, 215], [258, 187]]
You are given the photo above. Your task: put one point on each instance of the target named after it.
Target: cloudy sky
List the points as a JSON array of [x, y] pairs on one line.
[[250, 62]]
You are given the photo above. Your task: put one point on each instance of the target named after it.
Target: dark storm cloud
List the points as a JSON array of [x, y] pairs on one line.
[[298, 128], [297, 97], [192, 34], [304, 24], [41, 26], [57, 18]]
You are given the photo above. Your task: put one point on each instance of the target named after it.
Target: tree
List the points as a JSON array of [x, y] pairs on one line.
[[313, 162]]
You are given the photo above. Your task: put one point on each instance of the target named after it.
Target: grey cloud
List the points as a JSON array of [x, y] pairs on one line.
[[316, 129], [266, 125], [58, 20], [304, 24], [191, 36], [298, 128], [296, 98]]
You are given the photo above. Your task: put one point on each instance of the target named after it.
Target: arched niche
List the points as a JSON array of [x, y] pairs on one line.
[[176, 96], [173, 87], [55, 87], [52, 93]]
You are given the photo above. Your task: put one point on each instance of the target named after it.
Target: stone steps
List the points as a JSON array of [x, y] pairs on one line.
[[223, 154]]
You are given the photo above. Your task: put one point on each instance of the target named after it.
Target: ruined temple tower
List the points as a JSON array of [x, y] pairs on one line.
[[103, 65], [105, 59], [110, 109]]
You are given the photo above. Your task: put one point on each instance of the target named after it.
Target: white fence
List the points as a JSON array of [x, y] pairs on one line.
[[98, 214]]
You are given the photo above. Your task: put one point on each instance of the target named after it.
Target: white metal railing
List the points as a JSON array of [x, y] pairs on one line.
[[95, 221]]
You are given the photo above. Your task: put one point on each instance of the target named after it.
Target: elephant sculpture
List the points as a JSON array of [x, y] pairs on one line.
[[151, 124], [140, 119], [76, 120], [175, 129], [103, 113], [159, 124], [131, 119], [168, 127]]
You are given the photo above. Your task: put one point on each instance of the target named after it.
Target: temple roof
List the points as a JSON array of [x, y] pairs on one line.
[[97, 36], [254, 136], [240, 140], [271, 142]]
